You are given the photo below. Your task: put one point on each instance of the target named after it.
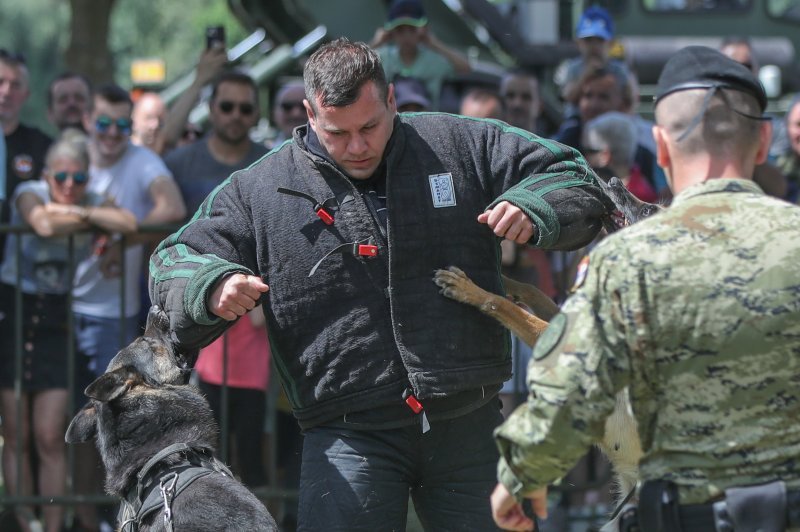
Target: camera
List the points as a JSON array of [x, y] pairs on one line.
[[214, 35]]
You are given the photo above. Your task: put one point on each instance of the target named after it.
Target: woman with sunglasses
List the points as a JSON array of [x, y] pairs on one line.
[[61, 214]]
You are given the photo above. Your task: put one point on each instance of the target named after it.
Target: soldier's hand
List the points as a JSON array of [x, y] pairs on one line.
[[236, 295], [507, 512], [508, 221]]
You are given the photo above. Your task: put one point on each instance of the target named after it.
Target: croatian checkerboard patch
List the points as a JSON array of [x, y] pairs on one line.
[[442, 190]]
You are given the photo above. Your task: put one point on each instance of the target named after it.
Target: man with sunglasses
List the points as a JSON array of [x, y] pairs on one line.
[[26, 146], [288, 111], [136, 179], [201, 166]]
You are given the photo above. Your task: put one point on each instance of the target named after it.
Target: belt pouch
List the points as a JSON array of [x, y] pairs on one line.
[[759, 508]]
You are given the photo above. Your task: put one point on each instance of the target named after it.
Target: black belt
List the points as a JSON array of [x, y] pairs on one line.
[[700, 517], [706, 517]]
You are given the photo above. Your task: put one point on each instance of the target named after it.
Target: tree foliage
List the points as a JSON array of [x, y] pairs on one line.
[[101, 38]]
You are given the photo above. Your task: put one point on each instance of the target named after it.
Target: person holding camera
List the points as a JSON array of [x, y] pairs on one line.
[[233, 111]]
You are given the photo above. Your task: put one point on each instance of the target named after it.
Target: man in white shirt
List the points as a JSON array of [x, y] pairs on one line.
[[137, 180]]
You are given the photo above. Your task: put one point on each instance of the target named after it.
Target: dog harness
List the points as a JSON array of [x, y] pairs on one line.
[[171, 479]]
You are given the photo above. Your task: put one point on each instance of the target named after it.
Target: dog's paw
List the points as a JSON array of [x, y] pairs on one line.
[[455, 284]]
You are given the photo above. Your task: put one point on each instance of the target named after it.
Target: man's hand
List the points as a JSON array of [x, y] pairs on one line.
[[508, 221], [212, 62], [235, 295], [380, 38], [507, 512]]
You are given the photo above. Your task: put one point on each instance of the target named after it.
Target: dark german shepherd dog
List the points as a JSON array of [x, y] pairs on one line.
[[156, 438]]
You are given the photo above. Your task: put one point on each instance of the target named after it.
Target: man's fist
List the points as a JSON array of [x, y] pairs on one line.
[[236, 295]]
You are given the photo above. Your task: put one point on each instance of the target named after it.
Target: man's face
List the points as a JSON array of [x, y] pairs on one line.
[[594, 48], [741, 53], [233, 112], [70, 101], [599, 96], [793, 128], [356, 135], [13, 90], [289, 110], [148, 118], [406, 36], [109, 127], [521, 96]]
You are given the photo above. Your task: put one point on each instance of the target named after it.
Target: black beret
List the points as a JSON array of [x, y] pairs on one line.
[[700, 67]]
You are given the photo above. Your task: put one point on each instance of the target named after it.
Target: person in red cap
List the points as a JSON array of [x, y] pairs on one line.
[[408, 48]]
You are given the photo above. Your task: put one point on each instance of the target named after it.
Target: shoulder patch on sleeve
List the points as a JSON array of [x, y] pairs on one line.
[[580, 274], [551, 336]]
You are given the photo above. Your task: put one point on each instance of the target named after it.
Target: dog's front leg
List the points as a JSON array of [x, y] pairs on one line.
[[456, 285], [541, 305]]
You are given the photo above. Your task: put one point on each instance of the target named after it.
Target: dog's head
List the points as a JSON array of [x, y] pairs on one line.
[[132, 420], [631, 209], [154, 354], [107, 387]]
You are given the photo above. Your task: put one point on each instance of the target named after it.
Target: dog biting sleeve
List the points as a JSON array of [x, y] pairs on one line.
[[558, 191]]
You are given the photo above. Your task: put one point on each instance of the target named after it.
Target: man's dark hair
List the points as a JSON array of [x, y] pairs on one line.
[[593, 72], [12, 59], [234, 76], [336, 72], [113, 94], [67, 75]]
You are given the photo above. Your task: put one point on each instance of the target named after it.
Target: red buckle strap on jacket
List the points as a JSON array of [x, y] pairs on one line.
[[323, 210], [357, 249]]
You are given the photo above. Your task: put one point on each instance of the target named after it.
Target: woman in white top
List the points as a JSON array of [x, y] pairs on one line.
[[54, 207]]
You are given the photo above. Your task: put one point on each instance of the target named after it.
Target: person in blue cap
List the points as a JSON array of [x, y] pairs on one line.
[[594, 35], [408, 48]]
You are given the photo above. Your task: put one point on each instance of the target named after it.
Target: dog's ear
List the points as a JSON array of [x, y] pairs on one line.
[[83, 426], [113, 384]]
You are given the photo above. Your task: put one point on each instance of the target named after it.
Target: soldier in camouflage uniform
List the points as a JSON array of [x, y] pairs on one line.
[[696, 310]]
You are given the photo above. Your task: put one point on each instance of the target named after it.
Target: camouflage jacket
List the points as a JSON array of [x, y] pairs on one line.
[[697, 310]]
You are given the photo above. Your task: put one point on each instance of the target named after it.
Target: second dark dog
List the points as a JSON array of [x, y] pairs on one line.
[[156, 441]]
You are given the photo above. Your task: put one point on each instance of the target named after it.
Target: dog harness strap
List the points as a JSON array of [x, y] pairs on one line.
[[171, 479], [323, 210], [167, 489], [163, 453]]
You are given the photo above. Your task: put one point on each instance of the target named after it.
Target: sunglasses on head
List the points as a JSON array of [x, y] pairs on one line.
[[13, 57], [245, 109], [103, 124], [79, 178], [288, 106]]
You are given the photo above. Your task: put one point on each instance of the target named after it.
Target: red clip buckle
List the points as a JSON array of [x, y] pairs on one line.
[[367, 250], [325, 216], [413, 404]]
